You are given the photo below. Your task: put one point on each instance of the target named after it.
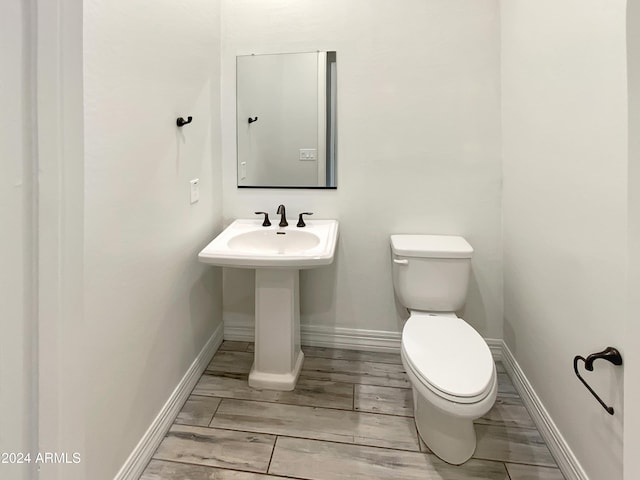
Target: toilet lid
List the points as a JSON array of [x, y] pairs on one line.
[[448, 354]]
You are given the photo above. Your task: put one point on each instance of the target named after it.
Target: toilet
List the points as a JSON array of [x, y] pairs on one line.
[[449, 365]]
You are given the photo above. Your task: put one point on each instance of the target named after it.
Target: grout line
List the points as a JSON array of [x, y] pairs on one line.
[[399, 364], [366, 384], [237, 469], [335, 442], [298, 437], [515, 462], [199, 395], [245, 375], [510, 462], [232, 375], [273, 449], [493, 423], [221, 373], [353, 398], [327, 378], [508, 474], [216, 410], [485, 424], [229, 468], [510, 396], [419, 450], [415, 425], [514, 427], [273, 402], [231, 353], [479, 421]]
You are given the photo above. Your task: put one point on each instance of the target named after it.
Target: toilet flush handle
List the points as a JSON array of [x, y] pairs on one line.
[[403, 261]]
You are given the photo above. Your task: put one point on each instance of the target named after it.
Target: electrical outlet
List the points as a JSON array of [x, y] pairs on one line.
[[195, 190], [308, 154]]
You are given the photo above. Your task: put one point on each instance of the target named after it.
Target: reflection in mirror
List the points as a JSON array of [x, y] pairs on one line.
[[286, 120]]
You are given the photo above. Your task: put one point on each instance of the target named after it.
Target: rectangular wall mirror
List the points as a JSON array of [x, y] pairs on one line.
[[286, 120]]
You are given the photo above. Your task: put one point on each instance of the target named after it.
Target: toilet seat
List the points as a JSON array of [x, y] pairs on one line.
[[448, 356]]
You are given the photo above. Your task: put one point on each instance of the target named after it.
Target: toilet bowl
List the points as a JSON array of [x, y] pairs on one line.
[[448, 363], [454, 382]]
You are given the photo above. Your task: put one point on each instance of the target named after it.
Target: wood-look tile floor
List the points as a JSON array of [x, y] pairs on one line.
[[350, 417]]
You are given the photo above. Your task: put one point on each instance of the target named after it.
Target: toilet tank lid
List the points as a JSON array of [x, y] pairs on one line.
[[431, 246]]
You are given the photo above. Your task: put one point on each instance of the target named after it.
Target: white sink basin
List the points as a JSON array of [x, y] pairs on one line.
[[273, 241], [277, 254], [247, 244]]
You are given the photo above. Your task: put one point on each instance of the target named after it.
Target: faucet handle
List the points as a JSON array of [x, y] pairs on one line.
[[266, 222], [301, 220]]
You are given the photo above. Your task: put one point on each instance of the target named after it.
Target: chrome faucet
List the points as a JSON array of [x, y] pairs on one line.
[[283, 216]]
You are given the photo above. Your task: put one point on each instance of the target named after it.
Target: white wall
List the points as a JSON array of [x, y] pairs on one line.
[[418, 146], [282, 91], [632, 349], [62, 343], [149, 306], [16, 396], [564, 126]]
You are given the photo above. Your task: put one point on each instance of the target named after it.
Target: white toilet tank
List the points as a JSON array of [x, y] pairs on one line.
[[431, 272]]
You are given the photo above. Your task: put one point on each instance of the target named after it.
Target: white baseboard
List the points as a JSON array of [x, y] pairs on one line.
[[567, 461], [137, 461], [239, 329], [350, 338], [242, 330], [495, 345], [320, 336]]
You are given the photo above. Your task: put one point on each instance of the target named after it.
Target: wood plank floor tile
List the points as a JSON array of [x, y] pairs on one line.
[[423, 446], [355, 371], [318, 423], [344, 354], [217, 448], [350, 417], [317, 460], [531, 472], [163, 470], [510, 444], [198, 411], [389, 400], [233, 346], [315, 393], [508, 411], [505, 386], [230, 362]]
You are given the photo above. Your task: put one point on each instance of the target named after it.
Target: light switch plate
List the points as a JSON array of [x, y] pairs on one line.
[[308, 154], [195, 190]]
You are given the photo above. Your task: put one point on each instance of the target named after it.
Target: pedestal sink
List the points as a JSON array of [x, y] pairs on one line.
[[277, 254]]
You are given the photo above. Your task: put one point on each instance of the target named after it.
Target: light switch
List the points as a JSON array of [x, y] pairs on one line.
[[308, 154], [195, 190]]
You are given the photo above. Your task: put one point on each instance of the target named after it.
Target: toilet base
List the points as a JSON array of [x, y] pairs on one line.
[[451, 438]]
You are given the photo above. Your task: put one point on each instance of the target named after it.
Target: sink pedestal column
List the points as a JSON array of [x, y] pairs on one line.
[[278, 357]]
